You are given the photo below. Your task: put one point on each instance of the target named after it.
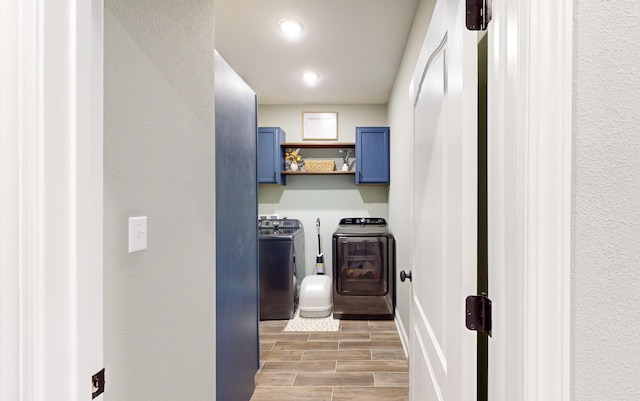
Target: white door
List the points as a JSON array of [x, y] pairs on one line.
[[443, 351]]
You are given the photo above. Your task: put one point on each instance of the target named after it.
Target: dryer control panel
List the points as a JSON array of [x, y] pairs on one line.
[[363, 220]]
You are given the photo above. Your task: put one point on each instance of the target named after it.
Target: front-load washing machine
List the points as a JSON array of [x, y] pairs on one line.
[[281, 264]]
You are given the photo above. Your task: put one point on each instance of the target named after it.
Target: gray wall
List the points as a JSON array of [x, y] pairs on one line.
[[606, 201], [159, 304], [401, 121], [329, 198]]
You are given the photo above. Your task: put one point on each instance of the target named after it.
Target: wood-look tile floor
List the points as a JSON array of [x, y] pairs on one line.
[[364, 361]]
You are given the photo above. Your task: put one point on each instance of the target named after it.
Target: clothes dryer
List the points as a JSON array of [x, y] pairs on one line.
[[363, 269]]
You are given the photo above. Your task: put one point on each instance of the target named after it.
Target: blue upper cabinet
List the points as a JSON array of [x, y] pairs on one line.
[[270, 156], [372, 155]]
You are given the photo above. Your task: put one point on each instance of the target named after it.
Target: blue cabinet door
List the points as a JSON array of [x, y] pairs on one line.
[[237, 355], [270, 155], [372, 155]]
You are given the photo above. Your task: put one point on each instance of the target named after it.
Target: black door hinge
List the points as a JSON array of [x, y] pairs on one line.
[[479, 313], [97, 384], [478, 14]]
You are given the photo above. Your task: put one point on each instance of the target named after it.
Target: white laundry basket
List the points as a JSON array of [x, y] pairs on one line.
[[315, 296]]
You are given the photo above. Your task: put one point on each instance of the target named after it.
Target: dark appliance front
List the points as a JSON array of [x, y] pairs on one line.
[[281, 267], [363, 269]]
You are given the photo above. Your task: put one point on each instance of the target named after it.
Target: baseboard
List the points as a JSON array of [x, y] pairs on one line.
[[404, 338]]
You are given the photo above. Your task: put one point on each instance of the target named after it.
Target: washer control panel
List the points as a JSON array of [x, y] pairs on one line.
[[279, 223]]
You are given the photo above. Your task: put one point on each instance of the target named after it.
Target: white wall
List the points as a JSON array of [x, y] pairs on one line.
[[328, 197], [159, 304], [401, 122], [606, 202]]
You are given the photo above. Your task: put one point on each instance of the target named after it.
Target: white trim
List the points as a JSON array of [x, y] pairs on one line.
[[506, 230], [88, 224], [530, 78], [9, 203], [31, 217], [549, 212], [52, 198], [404, 337]]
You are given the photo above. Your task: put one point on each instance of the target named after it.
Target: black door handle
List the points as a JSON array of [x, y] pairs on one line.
[[404, 276]]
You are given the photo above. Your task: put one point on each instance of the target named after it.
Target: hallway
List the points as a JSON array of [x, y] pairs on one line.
[[364, 360]]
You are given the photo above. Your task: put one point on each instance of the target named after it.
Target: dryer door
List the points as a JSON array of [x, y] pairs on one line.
[[362, 266]]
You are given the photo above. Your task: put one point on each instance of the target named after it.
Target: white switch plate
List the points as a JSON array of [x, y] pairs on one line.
[[137, 234]]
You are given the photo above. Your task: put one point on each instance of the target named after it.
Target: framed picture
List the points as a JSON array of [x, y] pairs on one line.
[[319, 126]]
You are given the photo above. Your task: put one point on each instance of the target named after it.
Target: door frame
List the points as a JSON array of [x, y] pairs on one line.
[[51, 159], [529, 168]]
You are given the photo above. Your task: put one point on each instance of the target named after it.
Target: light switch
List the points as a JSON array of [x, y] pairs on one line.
[[137, 234]]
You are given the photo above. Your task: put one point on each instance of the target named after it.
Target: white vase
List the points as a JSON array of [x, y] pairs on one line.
[[345, 167], [294, 166]]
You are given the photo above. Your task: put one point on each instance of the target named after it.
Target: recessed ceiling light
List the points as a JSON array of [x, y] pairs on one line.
[[310, 76], [290, 26]]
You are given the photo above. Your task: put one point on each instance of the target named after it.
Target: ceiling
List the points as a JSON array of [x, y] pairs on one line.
[[355, 46]]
